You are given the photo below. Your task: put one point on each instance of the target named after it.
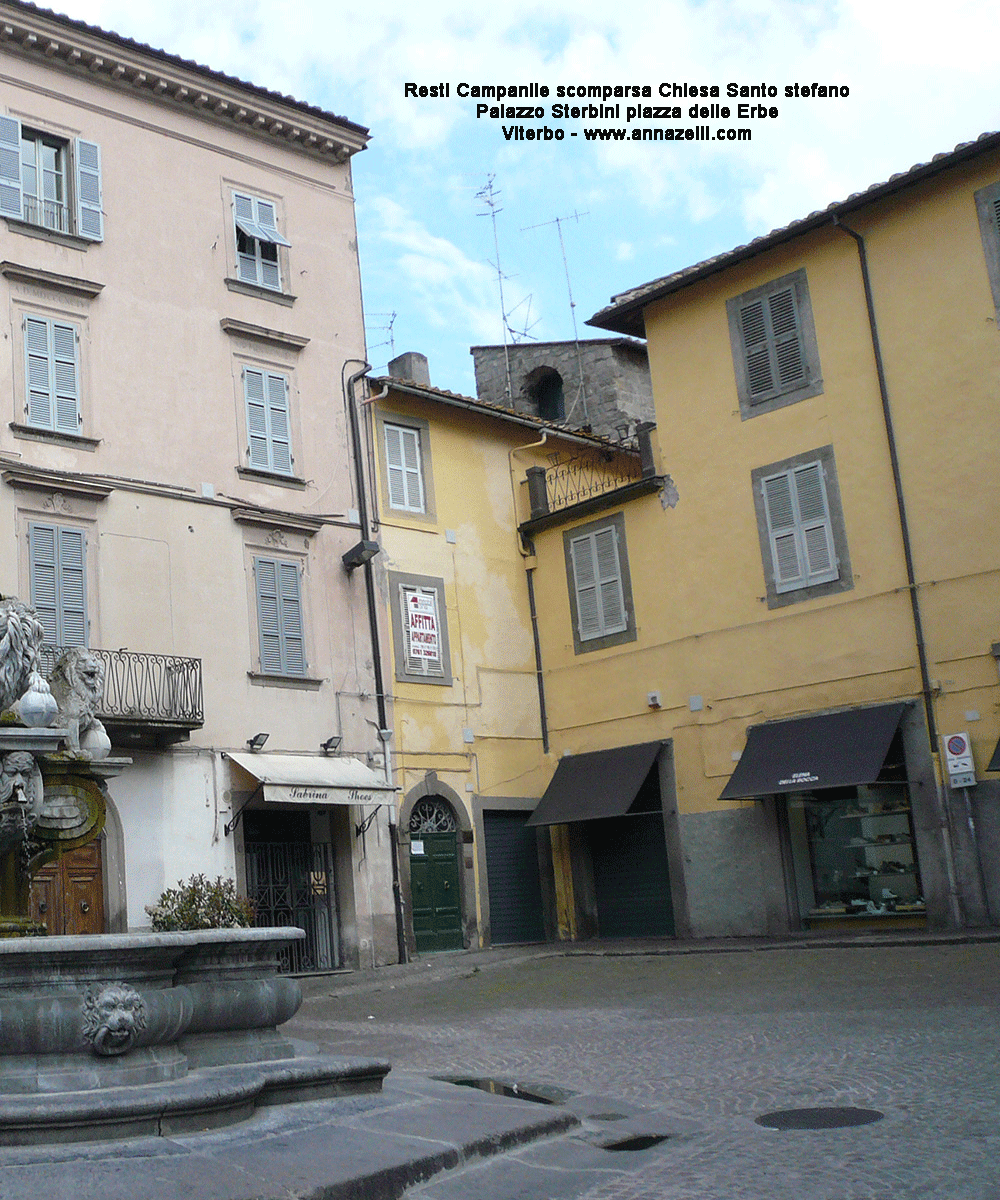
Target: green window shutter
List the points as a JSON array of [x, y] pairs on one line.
[[89, 209], [58, 580], [279, 617], [39, 406], [10, 167]]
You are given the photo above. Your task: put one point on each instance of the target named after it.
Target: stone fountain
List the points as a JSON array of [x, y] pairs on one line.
[[119, 1035]]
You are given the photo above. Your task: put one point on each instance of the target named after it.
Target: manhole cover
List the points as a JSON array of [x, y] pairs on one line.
[[819, 1118]]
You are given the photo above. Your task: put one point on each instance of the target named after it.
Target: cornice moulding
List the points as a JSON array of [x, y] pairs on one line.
[[24, 477], [290, 341], [65, 283], [300, 523]]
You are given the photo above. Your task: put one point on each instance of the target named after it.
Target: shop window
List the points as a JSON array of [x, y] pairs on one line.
[[49, 181], [773, 339], [801, 528], [600, 589]]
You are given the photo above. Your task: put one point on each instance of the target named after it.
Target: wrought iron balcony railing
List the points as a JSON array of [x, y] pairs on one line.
[[151, 689]]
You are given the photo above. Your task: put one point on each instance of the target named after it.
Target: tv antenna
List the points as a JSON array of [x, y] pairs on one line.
[[386, 328], [558, 222], [490, 196]]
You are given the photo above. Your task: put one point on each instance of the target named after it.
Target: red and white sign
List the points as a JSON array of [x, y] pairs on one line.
[[958, 760], [423, 628]]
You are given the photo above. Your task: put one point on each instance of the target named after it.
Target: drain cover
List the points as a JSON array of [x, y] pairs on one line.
[[819, 1118]]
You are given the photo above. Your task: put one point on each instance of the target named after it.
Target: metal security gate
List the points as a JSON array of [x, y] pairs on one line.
[[291, 883], [631, 877], [512, 875]]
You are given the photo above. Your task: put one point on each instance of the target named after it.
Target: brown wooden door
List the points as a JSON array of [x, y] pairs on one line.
[[67, 894]]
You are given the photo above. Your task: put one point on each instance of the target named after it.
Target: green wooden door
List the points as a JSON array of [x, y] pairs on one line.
[[437, 905]]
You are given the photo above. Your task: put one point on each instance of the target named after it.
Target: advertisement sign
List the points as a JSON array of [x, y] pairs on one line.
[[422, 623]]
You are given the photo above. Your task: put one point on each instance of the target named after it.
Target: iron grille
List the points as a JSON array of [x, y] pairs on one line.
[[571, 478], [292, 884], [143, 687]]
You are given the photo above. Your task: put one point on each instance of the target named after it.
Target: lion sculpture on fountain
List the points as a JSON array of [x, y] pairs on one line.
[[21, 635], [77, 683], [114, 1015]]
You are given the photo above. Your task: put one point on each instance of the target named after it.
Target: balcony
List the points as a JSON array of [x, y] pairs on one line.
[[150, 700]]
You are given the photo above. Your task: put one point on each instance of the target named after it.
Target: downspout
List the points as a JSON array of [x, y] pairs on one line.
[[359, 475], [530, 574], [911, 580]]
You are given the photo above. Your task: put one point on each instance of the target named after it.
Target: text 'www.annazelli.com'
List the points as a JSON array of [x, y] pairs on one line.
[[669, 133]]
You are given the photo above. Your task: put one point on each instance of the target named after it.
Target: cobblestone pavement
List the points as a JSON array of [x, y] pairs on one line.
[[911, 1031]]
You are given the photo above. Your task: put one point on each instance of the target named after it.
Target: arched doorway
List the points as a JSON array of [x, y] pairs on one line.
[[434, 875]]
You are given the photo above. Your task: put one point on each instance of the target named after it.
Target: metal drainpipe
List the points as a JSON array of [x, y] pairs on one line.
[[359, 475], [911, 580]]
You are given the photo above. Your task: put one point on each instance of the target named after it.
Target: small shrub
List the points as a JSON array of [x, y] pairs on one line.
[[201, 904]]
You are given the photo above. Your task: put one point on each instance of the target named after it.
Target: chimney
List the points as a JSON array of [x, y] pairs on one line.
[[411, 366]]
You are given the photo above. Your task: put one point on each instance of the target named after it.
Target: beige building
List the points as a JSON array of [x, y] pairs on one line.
[[182, 314]]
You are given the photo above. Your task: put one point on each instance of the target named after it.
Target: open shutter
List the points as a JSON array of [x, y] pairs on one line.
[[268, 225], [268, 619], [72, 588], [277, 412], [65, 340], [10, 167], [290, 613], [42, 579], [817, 532], [585, 581], [89, 211], [38, 373], [253, 390], [781, 528], [613, 616]]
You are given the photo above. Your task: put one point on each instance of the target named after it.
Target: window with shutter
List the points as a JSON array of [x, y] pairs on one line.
[[268, 436], [599, 584], [421, 630], [279, 617], [52, 392], [774, 345], [257, 241], [404, 468], [58, 582], [35, 173], [801, 527]]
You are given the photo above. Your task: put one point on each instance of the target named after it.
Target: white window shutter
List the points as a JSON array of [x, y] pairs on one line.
[[394, 466], [38, 373], [65, 340], [267, 221], [613, 616], [42, 579], [253, 390], [277, 413], [799, 528], [588, 609], [89, 203], [817, 531], [410, 441], [782, 531], [10, 167]]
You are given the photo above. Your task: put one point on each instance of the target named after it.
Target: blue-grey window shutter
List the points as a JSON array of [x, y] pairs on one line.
[[38, 373], [277, 413], [268, 618], [58, 580], [253, 387], [613, 615], [52, 374], [588, 610], [65, 340], [89, 209], [290, 599], [279, 617], [10, 167]]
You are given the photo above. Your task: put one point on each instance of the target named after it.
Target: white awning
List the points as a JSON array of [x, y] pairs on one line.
[[309, 779]]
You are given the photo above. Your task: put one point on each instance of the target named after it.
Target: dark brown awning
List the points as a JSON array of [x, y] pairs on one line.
[[809, 753], [994, 764], [603, 783]]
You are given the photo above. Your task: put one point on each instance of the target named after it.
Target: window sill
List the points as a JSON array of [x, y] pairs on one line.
[[434, 680], [304, 683], [15, 225], [262, 293], [75, 440], [287, 481]]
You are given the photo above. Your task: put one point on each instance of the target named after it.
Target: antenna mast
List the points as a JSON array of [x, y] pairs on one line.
[[490, 196], [581, 395]]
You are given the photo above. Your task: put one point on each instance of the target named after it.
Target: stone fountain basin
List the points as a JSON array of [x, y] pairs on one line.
[[151, 1033]]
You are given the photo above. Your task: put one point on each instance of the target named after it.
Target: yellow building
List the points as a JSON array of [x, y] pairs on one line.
[[785, 646], [470, 742]]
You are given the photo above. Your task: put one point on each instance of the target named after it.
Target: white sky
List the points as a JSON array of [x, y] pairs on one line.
[[922, 78]]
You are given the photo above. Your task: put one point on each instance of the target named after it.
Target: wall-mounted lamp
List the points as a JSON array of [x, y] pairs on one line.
[[331, 743], [257, 741], [358, 555], [385, 735]]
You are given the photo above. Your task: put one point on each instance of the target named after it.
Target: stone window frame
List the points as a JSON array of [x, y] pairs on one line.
[[383, 417], [813, 386], [845, 580]]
